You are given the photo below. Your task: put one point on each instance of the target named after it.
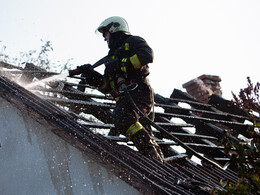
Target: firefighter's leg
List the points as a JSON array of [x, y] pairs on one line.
[[126, 122], [145, 144], [146, 125]]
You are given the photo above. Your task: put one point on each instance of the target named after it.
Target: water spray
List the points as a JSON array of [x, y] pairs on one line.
[[47, 80]]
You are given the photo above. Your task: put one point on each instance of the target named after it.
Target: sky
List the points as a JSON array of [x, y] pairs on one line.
[[189, 37]]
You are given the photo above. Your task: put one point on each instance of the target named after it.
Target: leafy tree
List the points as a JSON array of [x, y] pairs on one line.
[[245, 156], [39, 58], [3, 56]]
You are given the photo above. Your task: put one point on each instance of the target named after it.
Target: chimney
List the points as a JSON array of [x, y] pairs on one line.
[[203, 86]]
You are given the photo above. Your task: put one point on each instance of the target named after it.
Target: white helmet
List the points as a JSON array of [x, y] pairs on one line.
[[114, 24]]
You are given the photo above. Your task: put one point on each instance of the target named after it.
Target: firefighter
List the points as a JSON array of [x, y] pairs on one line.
[[128, 61]]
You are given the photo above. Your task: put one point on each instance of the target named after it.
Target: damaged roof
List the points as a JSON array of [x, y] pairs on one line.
[[84, 120]]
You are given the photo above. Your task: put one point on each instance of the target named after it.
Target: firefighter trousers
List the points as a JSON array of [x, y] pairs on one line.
[[128, 122]]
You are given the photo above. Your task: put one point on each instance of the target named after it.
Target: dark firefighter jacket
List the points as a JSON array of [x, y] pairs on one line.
[[133, 55]]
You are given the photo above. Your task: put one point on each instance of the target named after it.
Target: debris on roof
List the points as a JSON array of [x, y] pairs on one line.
[[194, 128]]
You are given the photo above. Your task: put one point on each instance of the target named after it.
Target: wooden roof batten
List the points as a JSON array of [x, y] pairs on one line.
[[65, 107]]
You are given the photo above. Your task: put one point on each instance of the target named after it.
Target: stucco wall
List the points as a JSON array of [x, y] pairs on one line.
[[33, 160]]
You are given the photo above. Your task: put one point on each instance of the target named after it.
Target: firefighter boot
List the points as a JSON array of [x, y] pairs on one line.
[[157, 148], [146, 145]]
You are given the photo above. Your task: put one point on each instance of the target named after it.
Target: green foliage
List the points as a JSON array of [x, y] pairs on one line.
[[41, 58], [3, 56], [245, 156]]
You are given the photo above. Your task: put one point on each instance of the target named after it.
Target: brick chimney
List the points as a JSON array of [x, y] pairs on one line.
[[203, 86]]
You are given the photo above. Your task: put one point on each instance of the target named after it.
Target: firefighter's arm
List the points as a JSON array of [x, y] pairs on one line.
[[142, 54], [91, 76]]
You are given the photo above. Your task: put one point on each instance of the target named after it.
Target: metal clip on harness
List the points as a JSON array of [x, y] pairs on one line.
[[131, 87]]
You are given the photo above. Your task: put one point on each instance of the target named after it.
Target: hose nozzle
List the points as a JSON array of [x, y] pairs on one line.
[[74, 72]]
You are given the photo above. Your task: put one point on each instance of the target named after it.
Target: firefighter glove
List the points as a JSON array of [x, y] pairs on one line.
[[84, 69]]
